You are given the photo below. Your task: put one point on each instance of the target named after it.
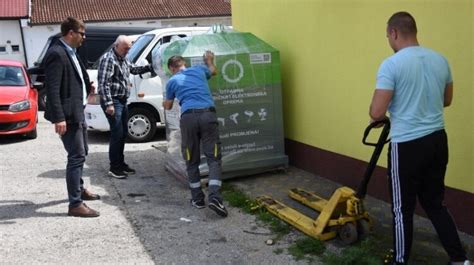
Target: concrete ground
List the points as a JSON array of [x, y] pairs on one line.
[[146, 218]]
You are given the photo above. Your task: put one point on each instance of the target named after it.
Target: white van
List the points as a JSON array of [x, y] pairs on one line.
[[146, 95]]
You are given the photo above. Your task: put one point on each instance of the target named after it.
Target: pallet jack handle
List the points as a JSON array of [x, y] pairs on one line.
[[383, 139]]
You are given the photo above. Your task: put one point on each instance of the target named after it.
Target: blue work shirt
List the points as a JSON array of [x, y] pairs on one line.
[[418, 77], [190, 87]]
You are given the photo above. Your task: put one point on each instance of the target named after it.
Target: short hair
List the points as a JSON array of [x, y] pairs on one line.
[[403, 22], [122, 39], [71, 23], [175, 61]]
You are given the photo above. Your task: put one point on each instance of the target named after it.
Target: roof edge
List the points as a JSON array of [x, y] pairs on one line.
[[132, 19]]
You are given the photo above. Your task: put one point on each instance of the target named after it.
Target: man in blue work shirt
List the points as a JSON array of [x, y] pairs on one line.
[[414, 85], [198, 126]]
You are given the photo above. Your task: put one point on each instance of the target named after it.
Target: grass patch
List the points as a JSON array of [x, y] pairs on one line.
[[278, 251], [363, 253], [275, 225], [306, 248], [236, 198]]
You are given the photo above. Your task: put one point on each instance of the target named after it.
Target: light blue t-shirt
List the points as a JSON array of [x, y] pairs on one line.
[[190, 87], [418, 78]]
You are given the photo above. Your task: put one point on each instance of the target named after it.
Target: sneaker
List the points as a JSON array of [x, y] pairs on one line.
[[117, 173], [218, 207], [198, 204], [128, 170]]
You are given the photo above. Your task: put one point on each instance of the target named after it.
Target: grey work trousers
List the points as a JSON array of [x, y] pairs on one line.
[[201, 128]]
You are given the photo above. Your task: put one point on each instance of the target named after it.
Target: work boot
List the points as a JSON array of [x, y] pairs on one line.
[[198, 203], [218, 207]]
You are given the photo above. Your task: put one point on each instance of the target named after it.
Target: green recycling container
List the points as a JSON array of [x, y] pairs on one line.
[[248, 98]]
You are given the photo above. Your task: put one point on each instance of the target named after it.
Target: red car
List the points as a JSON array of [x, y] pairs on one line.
[[18, 101]]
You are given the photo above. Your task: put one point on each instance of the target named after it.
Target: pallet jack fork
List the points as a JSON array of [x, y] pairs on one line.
[[344, 213]]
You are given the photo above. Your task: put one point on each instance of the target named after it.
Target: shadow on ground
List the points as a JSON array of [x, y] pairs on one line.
[[10, 210]]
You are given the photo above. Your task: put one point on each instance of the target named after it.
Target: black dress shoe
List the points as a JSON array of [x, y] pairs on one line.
[[83, 211], [89, 196]]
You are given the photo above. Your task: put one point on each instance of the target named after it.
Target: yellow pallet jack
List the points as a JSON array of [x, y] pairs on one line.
[[344, 213]]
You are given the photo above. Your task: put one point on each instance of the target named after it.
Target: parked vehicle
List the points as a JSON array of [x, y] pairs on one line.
[[18, 101], [98, 39], [146, 95]]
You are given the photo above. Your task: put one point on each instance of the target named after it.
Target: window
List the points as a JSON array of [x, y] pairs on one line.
[[3, 49], [138, 47], [11, 76], [16, 48]]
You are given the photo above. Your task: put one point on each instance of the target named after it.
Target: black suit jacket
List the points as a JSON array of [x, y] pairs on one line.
[[64, 101]]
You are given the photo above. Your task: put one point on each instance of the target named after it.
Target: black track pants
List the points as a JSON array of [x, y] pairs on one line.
[[416, 169]]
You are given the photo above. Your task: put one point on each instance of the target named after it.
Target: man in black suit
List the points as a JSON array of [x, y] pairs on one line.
[[67, 85]]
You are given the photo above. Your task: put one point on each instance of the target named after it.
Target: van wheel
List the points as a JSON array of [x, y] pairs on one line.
[[32, 134], [141, 125]]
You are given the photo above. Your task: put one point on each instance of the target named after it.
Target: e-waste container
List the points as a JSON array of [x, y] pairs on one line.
[[248, 98]]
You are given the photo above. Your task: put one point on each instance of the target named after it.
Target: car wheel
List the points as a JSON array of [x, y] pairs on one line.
[[42, 99], [141, 125], [32, 134]]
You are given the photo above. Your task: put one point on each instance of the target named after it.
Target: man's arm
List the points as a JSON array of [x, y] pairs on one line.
[[139, 70], [448, 94], [53, 67], [104, 78], [168, 104], [209, 61], [379, 105]]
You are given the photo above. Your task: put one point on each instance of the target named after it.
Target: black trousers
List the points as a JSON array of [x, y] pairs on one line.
[[417, 169]]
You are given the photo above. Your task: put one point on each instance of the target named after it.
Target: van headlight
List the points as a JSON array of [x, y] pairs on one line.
[[19, 106]]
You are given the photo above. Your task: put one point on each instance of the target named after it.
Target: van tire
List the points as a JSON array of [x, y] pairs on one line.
[[141, 125]]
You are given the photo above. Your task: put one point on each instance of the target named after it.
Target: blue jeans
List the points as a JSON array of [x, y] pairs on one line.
[[118, 133], [75, 143]]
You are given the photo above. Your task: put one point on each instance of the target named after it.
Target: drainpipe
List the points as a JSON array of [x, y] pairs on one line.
[[23, 43], [25, 22]]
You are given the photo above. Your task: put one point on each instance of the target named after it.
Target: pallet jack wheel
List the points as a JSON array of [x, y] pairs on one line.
[[348, 233], [363, 228]]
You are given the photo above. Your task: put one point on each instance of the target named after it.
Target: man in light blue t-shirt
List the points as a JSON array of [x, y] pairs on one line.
[[198, 125], [414, 85]]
